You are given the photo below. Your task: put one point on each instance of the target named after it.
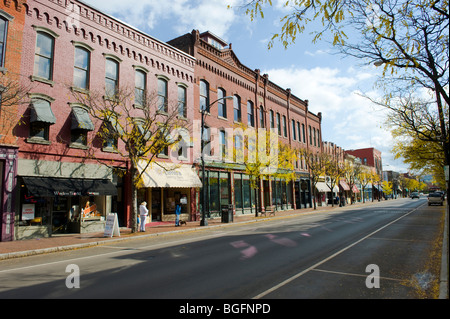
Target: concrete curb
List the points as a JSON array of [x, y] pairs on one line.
[[443, 291], [34, 252]]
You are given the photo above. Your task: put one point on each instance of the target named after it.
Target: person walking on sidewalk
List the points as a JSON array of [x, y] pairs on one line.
[[143, 212], [177, 212]]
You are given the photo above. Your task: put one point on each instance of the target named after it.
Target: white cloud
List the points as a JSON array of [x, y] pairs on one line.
[[184, 15], [348, 119]]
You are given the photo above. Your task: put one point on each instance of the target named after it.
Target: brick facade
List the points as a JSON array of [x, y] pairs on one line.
[[221, 69], [370, 157], [12, 15], [73, 24]]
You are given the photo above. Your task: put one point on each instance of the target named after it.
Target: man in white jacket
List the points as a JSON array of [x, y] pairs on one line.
[[143, 212]]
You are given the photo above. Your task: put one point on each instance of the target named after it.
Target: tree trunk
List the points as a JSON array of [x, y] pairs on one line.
[[134, 206]]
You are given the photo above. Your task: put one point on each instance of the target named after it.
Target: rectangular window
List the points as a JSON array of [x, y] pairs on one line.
[[206, 142], [140, 86], [78, 137], [272, 120], [223, 144], [299, 132], [214, 197], [284, 126], [43, 60], [224, 189], [162, 95], [222, 105], [303, 133], [3, 37], [239, 152], [250, 114], [238, 191], [81, 68], [204, 95], [314, 137], [279, 123], [237, 108], [294, 132], [261, 117], [310, 135], [39, 130], [111, 77], [182, 110]]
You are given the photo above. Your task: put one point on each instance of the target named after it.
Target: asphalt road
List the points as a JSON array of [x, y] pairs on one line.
[[387, 250]]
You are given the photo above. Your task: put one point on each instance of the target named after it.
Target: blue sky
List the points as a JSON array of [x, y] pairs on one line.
[[313, 72]]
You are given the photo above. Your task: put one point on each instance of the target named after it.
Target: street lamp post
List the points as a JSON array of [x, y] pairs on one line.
[[204, 221]]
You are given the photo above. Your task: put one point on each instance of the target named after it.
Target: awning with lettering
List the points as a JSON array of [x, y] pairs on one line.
[[168, 175], [344, 185], [50, 186], [323, 188]]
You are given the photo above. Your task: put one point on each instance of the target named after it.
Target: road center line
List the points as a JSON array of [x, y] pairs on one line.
[[285, 282]]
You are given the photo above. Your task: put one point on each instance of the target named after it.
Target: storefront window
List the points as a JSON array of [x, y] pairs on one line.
[[214, 199], [289, 194], [238, 191], [246, 192], [224, 198]]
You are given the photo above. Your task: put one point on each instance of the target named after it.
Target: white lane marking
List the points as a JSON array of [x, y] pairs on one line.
[[285, 282]]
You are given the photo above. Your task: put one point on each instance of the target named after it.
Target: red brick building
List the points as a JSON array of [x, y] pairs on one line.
[[369, 157], [257, 103], [12, 17], [69, 47]]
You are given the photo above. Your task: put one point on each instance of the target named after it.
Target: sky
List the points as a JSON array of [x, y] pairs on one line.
[[332, 84]]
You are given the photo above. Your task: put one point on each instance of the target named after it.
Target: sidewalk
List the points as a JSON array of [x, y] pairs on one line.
[[62, 242]]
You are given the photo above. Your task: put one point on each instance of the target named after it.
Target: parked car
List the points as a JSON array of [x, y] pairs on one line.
[[414, 195], [435, 198]]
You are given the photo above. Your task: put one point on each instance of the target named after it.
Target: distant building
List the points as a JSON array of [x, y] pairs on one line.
[[370, 157]]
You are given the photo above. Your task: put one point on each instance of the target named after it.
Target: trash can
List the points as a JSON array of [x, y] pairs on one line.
[[227, 213]]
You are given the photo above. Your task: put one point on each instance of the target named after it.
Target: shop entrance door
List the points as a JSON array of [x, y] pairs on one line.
[[156, 204], [298, 202]]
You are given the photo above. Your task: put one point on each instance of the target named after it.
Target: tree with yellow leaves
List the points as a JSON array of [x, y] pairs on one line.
[[262, 155], [364, 178], [386, 187]]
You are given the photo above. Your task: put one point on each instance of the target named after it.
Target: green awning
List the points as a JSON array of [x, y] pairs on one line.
[[41, 111], [81, 119]]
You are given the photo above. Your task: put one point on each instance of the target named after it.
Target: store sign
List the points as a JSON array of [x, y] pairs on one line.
[[62, 193], [28, 211], [112, 226]]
